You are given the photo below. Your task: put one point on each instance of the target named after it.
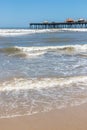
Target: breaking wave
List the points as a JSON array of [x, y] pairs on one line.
[[18, 32], [41, 83], [71, 48], [21, 96], [37, 51]]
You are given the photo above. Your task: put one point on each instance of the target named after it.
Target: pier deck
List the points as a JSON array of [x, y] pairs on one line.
[[55, 25]]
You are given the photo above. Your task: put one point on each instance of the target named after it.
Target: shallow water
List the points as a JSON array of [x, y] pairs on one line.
[[41, 70]]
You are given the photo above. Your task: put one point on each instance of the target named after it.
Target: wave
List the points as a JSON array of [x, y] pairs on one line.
[[21, 51], [22, 96], [37, 51], [41, 83], [18, 32], [75, 48]]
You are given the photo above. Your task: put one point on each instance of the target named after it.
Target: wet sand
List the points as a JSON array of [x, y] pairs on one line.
[[71, 118]]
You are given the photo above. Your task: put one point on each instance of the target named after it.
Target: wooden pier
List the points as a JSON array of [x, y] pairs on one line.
[[55, 25]]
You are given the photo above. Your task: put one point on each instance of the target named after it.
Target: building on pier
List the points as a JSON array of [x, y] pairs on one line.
[[69, 20]]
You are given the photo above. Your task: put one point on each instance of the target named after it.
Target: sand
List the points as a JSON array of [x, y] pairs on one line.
[[71, 118]]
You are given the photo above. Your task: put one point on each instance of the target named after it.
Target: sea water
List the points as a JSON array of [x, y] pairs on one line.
[[42, 70]]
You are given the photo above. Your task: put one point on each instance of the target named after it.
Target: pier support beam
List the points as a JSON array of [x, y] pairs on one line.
[[58, 25]]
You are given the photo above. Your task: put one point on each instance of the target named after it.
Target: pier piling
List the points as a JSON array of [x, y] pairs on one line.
[[55, 25]]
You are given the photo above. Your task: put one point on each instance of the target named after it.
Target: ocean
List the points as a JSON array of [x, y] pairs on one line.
[[42, 70]]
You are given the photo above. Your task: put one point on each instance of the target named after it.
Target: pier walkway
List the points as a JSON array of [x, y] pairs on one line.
[[55, 25]]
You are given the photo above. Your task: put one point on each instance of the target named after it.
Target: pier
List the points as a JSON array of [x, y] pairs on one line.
[[56, 25]]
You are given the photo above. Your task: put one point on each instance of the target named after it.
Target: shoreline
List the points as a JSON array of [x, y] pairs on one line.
[[70, 118]]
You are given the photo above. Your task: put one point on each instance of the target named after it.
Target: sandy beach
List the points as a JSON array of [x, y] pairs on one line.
[[73, 118]]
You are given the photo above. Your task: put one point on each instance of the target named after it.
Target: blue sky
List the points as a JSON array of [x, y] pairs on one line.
[[18, 13]]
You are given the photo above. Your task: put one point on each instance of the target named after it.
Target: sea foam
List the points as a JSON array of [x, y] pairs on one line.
[[18, 32], [31, 52], [30, 96], [67, 49], [41, 83]]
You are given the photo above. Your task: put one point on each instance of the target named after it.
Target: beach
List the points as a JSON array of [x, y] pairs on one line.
[[43, 79], [43, 65], [71, 118]]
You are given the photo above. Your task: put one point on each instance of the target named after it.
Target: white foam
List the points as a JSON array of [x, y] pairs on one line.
[[17, 32], [28, 54], [32, 51], [47, 94], [75, 29], [40, 83]]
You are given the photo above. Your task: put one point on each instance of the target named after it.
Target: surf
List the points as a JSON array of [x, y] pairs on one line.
[[30, 96], [36, 83], [38, 51], [21, 32]]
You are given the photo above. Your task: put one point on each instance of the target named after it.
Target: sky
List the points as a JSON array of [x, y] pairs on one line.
[[19, 13]]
